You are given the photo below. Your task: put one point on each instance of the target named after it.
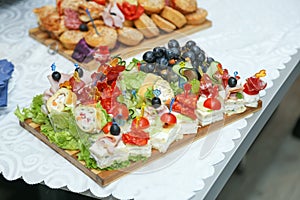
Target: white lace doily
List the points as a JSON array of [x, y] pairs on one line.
[[246, 36]]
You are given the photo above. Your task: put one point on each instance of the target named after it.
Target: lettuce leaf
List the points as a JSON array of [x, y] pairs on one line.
[[131, 81], [84, 155], [117, 165], [34, 112], [65, 135]]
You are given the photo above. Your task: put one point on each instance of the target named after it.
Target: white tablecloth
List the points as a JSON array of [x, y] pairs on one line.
[[246, 36]]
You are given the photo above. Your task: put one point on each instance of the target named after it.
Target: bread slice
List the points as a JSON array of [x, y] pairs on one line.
[[174, 16], [162, 23], [128, 23], [152, 6], [197, 17], [70, 38], [97, 23], [94, 8], [146, 26], [107, 37], [129, 36], [185, 6]]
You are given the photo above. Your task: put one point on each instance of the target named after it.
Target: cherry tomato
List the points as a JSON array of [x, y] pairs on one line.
[[140, 123], [106, 128], [101, 2], [212, 103], [168, 118], [136, 137]]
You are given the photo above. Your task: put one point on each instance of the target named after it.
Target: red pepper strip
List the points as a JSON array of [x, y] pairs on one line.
[[101, 2], [131, 12]]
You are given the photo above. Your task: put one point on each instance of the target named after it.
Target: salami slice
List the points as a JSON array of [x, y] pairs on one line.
[[71, 19]]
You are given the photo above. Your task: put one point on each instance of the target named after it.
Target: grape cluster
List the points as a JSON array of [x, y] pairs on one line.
[[160, 60]]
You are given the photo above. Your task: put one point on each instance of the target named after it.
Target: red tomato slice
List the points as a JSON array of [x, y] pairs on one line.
[[106, 128], [136, 137], [168, 118], [141, 123], [212, 103]]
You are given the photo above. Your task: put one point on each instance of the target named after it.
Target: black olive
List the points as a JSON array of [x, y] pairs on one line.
[[56, 76], [232, 82], [115, 129], [79, 71], [156, 102], [83, 27]]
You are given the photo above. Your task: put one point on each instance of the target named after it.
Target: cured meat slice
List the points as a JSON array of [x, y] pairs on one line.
[[71, 19]]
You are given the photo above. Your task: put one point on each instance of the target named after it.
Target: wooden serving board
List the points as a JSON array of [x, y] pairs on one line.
[[126, 51], [104, 178]]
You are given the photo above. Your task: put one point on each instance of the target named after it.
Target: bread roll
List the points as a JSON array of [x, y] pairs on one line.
[[97, 23], [162, 23], [128, 23], [146, 26], [185, 6], [197, 17], [174, 16], [130, 36], [70, 38], [107, 37], [94, 8], [152, 6]]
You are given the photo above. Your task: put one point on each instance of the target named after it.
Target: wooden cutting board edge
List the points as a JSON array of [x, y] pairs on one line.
[[104, 178]]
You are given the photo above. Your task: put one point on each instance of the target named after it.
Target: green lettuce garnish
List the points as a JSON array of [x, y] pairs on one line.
[[65, 135], [34, 112], [62, 139], [104, 115], [117, 165], [149, 93], [239, 95], [131, 81], [84, 155], [137, 158]]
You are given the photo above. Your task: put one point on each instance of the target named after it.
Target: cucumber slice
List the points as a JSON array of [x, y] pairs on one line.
[[130, 66], [177, 67]]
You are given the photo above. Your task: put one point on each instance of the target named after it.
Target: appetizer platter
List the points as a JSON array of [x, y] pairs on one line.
[[126, 113], [76, 29]]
